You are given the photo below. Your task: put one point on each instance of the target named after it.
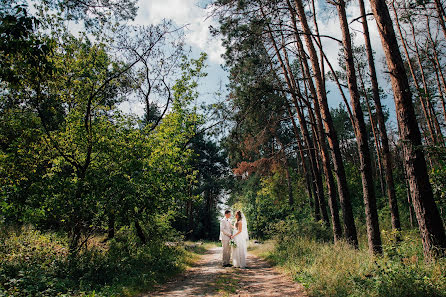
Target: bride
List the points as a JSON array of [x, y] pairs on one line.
[[240, 238]]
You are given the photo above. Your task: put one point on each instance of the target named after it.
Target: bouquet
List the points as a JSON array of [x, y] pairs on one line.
[[232, 243]]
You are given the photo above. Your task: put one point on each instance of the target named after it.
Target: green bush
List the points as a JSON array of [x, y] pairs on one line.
[[326, 269], [297, 226], [37, 264]]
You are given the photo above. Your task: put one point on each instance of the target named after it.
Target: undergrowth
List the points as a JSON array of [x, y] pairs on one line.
[[326, 269], [33, 263]]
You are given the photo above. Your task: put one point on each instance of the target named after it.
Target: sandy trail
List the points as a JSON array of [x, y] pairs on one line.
[[208, 278]]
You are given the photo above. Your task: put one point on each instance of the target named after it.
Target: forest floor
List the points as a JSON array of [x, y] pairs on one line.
[[208, 278]]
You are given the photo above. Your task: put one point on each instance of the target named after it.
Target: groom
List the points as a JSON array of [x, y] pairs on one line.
[[225, 237]]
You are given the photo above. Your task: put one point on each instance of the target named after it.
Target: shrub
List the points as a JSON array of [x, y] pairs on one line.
[[326, 269], [33, 263]]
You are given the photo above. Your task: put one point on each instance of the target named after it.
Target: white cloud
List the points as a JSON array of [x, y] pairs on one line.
[[183, 12]]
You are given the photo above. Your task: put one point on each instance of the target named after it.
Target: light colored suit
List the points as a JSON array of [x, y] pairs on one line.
[[225, 233]]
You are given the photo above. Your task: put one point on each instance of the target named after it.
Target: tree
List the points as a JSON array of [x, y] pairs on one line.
[[429, 221], [349, 224], [387, 158], [373, 233]]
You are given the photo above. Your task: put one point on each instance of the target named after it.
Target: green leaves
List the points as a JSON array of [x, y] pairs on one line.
[[86, 159]]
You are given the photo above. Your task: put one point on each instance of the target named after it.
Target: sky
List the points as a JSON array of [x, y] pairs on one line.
[[194, 14]]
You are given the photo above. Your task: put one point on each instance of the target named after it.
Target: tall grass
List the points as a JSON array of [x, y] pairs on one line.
[[33, 263], [326, 269]]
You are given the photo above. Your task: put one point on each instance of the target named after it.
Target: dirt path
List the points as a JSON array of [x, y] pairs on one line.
[[208, 278]]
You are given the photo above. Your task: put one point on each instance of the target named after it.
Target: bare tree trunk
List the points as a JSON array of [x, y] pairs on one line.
[[412, 72], [375, 134], [291, 85], [373, 233], [387, 157], [320, 102], [325, 160], [301, 154], [428, 217], [438, 70], [318, 131], [341, 91], [409, 199], [440, 91], [426, 94], [319, 43], [311, 145]]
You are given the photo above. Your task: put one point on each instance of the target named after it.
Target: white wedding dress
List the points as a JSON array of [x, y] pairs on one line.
[[241, 240]]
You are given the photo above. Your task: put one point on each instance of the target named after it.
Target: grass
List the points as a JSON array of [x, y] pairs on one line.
[[339, 270], [33, 263]]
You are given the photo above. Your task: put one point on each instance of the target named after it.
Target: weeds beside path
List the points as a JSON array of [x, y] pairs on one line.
[[208, 278]]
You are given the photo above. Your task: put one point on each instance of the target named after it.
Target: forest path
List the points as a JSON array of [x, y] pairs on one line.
[[209, 278]]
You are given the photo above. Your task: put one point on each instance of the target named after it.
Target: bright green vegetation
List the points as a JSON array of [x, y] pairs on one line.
[[95, 198], [34, 263], [108, 163], [339, 270]]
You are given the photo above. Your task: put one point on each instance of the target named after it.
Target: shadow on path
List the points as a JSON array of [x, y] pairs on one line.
[[259, 279]]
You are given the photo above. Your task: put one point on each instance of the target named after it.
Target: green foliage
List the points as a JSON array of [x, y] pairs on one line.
[[110, 185], [261, 207], [94, 14], [33, 263], [296, 225], [73, 161], [438, 180], [210, 181], [339, 270]]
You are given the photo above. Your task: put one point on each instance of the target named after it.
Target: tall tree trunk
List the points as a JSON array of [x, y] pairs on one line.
[[309, 143], [375, 134], [311, 146], [440, 91], [309, 173], [415, 80], [409, 199], [426, 94], [438, 69], [429, 220], [387, 157], [319, 43], [368, 188], [325, 161], [318, 130], [320, 101], [341, 90], [301, 153]]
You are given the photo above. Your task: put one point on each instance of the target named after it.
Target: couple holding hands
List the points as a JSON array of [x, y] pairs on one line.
[[234, 239]]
